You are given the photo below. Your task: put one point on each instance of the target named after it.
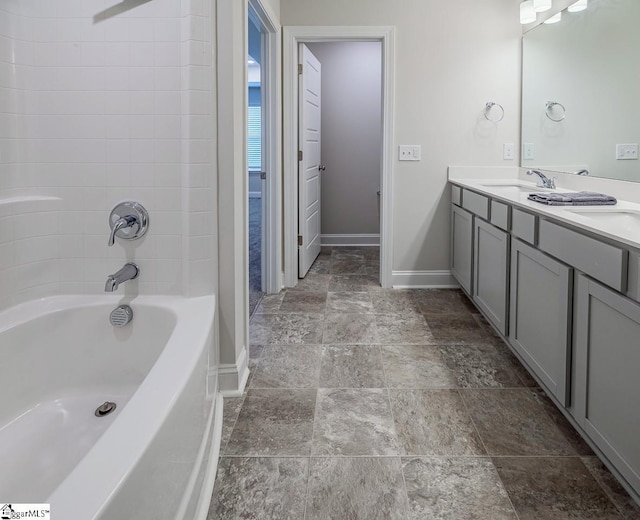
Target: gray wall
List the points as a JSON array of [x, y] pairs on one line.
[[450, 59], [351, 136]]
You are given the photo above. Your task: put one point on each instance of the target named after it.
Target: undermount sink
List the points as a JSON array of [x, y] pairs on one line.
[[625, 220]]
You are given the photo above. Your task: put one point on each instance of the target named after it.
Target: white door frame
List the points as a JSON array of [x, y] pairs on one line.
[[272, 150], [293, 35]]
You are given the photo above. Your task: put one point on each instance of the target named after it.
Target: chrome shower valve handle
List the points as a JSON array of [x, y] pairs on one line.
[[128, 220]]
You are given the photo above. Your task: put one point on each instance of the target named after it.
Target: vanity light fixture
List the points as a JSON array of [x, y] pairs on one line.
[[578, 6], [554, 19], [540, 6], [527, 14]]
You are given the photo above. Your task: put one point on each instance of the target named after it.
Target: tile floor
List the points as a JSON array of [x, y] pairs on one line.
[[365, 403]]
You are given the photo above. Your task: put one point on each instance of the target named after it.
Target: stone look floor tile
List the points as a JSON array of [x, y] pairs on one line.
[[259, 488], [614, 490], [304, 302], [322, 265], [353, 282], [313, 282], [512, 422], [434, 422], [272, 329], [288, 366], [349, 302], [274, 422], [353, 422], [349, 328], [456, 329], [356, 489], [353, 265], [553, 487], [255, 354], [442, 301], [348, 422], [270, 303], [230, 411], [403, 329], [389, 301], [520, 370], [569, 432], [478, 366], [455, 489], [416, 366], [351, 367]]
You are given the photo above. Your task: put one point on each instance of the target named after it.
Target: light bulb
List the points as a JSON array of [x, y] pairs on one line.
[[580, 5], [541, 5], [527, 14], [554, 19]]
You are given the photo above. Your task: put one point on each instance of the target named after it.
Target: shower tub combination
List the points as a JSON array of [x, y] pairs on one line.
[[154, 456]]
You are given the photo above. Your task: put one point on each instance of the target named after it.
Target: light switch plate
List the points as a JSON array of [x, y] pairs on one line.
[[409, 152], [626, 152]]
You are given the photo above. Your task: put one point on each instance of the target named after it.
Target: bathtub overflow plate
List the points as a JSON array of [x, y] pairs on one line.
[[105, 409], [121, 316]]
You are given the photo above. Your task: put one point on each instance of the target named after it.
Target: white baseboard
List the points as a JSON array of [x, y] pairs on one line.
[[350, 240], [233, 377], [255, 194], [423, 280]]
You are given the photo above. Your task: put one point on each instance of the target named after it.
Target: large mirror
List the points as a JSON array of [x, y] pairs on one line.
[[581, 92]]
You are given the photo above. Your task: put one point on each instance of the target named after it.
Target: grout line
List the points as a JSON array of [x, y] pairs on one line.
[[475, 427]]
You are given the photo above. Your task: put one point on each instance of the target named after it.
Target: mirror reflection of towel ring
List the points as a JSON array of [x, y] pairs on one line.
[[489, 108], [551, 108]]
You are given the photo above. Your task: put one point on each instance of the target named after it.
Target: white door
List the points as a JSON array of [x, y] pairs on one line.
[[309, 166]]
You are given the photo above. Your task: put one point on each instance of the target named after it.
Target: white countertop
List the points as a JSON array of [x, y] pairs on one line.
[[620, 222]]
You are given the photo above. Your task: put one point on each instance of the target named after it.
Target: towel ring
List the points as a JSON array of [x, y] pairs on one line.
[[488, 109], [550, 109]]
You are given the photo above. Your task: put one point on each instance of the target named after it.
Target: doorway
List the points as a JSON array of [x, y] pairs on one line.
[[255, 163], [350, 137], [264, 152], [293, 36]]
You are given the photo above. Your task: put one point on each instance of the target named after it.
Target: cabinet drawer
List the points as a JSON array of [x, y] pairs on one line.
[[524, 225], [599, 260], [456, 195], [476, 203], [500, 215], [633, 284]]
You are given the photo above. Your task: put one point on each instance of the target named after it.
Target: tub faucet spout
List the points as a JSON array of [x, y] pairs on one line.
[[129, 271]]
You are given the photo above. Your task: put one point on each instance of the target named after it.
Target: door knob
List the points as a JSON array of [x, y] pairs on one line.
[[322, 167]]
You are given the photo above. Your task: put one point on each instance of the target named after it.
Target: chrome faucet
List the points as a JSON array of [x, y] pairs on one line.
[[129, 271], [543, 181]]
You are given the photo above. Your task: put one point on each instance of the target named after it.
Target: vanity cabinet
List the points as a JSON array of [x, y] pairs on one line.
[[607, 359], [567, 302], [462, 247], [491, 272], [540, 325]]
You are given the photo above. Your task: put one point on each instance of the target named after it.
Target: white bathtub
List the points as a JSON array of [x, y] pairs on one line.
[[155, 456]]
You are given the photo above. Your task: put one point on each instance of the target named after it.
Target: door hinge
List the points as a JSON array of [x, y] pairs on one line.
[[263, 175], [299, 240], [299, 155], [299, 68]]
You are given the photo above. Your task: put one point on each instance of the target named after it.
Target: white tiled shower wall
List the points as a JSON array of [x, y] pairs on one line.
[[99, 106]]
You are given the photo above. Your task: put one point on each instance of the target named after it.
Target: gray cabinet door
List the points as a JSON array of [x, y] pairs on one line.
[[540, 324], [491, 272], [607, 360], [462, 247]]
